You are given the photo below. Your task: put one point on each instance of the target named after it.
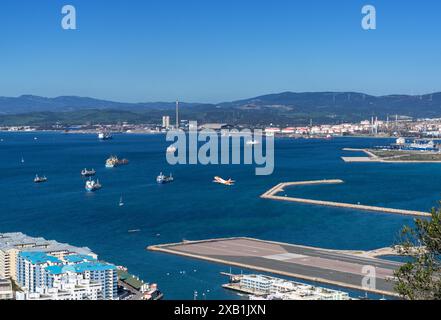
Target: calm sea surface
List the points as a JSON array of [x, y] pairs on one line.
[[193, 207]]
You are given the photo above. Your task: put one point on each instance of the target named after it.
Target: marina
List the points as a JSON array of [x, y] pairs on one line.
[[272, 195], [318, 265]]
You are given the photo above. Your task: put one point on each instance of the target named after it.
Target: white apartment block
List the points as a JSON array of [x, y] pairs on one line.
[[12, 243]]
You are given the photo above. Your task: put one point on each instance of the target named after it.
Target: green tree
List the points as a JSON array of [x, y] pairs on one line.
[[420, 277]]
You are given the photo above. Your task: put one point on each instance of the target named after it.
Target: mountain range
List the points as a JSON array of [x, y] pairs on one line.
[[287, 108]]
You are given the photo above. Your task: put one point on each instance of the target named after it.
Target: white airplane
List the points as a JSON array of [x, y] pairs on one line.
[[228, 182]]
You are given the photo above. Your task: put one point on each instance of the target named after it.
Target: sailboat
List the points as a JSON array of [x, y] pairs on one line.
[[121, 203]]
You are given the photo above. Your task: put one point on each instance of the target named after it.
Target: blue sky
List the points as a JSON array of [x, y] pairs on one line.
[[217, 50]]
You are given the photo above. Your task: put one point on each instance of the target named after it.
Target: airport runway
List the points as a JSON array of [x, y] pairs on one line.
[[307, 263]]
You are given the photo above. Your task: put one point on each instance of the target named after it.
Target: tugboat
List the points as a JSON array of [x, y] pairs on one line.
[[38, 179], [88, 173], [92, 185], [162, 179]]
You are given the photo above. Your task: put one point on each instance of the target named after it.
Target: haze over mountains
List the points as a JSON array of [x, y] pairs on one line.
[[283, 108]]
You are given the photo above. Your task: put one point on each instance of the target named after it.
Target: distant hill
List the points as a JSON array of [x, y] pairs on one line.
[[286, 108], [30, 103]]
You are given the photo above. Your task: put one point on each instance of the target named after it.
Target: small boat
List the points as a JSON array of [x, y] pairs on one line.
[[171, 149], [134, 230], [92, 185], [104, 136], [121, 202], [38, 179], [252, 142], [22, 160], [162, 179], [88, 173]]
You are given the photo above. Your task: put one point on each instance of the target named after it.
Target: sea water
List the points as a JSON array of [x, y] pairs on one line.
[[193, 207]]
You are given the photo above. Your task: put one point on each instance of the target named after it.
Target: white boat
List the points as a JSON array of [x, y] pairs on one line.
[[92, 185], [88, 173], [104, 136], [38, 179], [121, 203], [252, 142], [162, 179], [171, 149]]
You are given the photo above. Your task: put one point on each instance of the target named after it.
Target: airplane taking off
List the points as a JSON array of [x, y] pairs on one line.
[[228, 182]]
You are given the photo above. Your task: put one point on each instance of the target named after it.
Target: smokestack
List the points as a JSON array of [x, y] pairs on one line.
[[177, 114]]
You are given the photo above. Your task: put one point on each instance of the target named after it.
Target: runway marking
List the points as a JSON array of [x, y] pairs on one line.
[[343, 270]]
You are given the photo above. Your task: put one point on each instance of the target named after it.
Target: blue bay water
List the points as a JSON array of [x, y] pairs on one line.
[[193, 207]]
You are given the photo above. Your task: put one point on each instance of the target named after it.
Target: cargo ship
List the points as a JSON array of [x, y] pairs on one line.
[[114, 162], [162, 179], [92, 185]]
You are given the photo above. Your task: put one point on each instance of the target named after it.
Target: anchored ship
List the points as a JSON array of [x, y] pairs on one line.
[[38, 179], [162, 179], [88, 173], [92, 185], [114, 162]]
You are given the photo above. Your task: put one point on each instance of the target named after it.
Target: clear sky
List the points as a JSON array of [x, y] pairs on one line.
[[217, 50]]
